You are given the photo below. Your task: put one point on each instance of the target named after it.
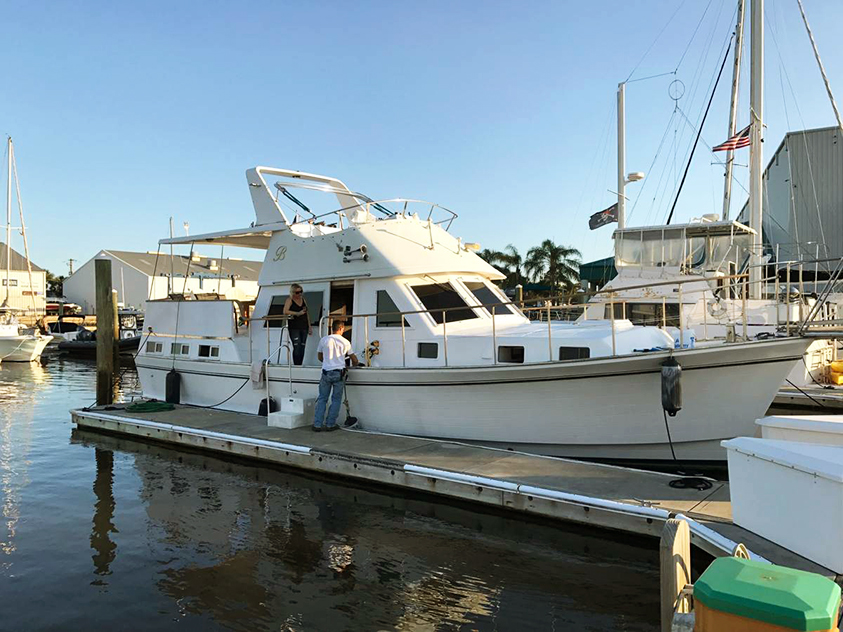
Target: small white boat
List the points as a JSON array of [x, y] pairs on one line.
[[18, 344]]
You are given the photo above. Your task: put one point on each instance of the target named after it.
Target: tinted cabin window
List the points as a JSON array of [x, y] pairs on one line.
[[647, 313], [443, 296], [574, 353], [511, 354], [385, 305], [428, 350], [487, 297], [207, 351]]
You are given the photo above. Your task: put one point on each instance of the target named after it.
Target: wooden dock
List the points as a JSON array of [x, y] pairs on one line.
[[606, 496]]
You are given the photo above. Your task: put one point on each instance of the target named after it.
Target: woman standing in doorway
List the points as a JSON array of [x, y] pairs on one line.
[[299, 324]]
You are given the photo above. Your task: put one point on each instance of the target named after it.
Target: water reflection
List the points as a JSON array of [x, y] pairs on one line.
[[256, 549], [103, 524]]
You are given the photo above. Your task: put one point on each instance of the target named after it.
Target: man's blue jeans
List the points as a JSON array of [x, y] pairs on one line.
[[331, 383]]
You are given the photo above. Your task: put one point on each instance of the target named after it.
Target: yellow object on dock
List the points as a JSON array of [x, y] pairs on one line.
[[836, 377], [837, 366]]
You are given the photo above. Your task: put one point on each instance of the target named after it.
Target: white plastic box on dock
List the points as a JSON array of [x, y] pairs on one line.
[[295, 412], [823, 429], [791, 493]]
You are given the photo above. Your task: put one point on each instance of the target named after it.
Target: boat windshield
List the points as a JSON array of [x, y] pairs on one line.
[[690, 247]]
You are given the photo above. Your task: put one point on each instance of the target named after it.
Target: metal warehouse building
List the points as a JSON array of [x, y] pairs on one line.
[[138, 276], [803, 196]]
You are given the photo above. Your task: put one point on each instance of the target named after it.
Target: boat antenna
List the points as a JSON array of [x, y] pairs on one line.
[[699, 131]]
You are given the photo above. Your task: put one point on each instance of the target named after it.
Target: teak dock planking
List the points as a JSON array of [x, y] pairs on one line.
[[606, 496]]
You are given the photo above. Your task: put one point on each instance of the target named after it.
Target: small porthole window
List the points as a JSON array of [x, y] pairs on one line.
[[207, 351], [429, 350], [154, 347], [512, 354]]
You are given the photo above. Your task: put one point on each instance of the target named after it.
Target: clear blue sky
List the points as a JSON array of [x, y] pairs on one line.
[[124, 114]]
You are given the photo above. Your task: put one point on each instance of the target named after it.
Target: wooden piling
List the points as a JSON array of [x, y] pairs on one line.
[[106, 332], [675, 562]]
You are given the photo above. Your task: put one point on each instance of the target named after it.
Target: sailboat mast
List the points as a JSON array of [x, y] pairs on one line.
[[8, 218], [756, 150], [621, 155], [733, 108]]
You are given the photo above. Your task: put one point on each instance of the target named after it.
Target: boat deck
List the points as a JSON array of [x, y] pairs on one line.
[[601, 495], [810, 399]]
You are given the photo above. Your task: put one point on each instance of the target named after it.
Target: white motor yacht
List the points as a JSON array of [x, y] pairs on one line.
[[446, 354]]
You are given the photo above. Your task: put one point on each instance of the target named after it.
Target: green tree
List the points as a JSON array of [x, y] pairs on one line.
[[513, 261], [55, 284], [554, 265], [495, 258]]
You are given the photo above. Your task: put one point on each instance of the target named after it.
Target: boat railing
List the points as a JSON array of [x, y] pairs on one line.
[[430, 212], [544, 313]]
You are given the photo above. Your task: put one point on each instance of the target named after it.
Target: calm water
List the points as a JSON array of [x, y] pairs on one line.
[[101, 532]]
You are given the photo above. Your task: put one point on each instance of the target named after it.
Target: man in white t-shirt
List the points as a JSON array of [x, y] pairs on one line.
[[332, 352]]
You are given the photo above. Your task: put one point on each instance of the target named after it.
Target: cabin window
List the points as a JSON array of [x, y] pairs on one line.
[[443, 296], [514, 355], [488, 297], [646, 313], [154, 347], [12, 282], [385, 305], [176, 348], [314, 302], [574, 353], [208, 351], [429, 350]]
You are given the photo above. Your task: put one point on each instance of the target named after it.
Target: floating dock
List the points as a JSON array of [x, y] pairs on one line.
[[606, 496]]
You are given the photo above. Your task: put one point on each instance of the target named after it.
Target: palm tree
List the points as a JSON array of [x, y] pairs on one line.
[[497, 259], [554, 265], [513, 261]]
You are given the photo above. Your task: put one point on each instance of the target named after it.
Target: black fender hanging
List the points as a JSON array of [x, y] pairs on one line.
[[671, 386]]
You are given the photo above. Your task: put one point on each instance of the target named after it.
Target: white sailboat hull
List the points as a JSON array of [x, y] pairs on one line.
[[596, 408], [22, 348]]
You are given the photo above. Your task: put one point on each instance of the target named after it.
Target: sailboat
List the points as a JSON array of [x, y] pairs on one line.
[[17, 343], [720, 260]]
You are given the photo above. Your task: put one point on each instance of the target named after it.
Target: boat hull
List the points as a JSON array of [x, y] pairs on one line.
[[24, 348], [88, 348], [602, 408]]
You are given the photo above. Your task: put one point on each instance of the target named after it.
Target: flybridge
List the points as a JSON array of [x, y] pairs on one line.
[[282, 201]]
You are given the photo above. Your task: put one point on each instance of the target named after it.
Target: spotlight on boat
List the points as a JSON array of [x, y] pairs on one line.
[[635, 176], [473, 247]]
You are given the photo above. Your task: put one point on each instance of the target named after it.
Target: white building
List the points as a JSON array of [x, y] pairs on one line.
[[23, 295], [138, 276]]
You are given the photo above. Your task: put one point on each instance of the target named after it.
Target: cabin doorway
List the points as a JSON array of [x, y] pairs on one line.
[[341, 304]]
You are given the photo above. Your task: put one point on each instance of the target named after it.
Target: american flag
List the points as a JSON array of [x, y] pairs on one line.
[[741, 139]]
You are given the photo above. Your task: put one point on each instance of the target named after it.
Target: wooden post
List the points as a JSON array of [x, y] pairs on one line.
[[115, 318], [519, 295], [675, 571], [105, 332]]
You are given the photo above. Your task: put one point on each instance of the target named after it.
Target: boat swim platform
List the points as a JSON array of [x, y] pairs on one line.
[[605, 496], [815, 398]]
